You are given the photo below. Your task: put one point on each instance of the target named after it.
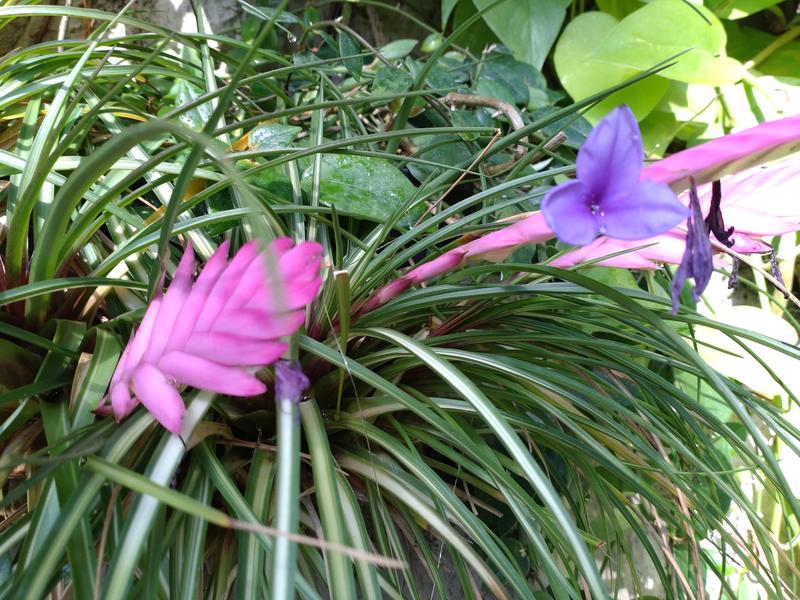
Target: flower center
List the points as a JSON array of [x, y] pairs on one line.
[[594, 206]]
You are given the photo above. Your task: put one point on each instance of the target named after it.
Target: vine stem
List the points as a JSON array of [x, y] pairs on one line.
[[780, 41]]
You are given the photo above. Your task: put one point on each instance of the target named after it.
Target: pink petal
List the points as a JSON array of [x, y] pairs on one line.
[[745, 244], [230, 349], [761, 200], [386, 293], [438, 266], [172, 304], [252, 281], [121, 402], [162, 400], [258, 324], [217, 298], [104, 409], [301, 262], [728, 154], [141, 338], [206, 374], [254, 277], [494, 246], [187, 318], [299, 281], [279, 246], [497, 245], [665, 248], [603, 247], [120, 370]]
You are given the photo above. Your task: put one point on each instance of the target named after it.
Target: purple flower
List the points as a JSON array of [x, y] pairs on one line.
[[290, 381], [608, 197], [697, 261]]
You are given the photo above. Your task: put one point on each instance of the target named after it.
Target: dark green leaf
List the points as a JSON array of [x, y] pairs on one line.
[[273, 136], [364, 187], [528, 27], [391, 80], [349, 47]]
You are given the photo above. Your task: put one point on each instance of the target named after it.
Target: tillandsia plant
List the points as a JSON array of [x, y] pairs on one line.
[[511, 429], [623, 203]]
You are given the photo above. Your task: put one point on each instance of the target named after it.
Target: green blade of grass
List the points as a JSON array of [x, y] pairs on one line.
[[340, 569]]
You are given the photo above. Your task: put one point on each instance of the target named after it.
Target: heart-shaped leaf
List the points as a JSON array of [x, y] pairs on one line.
[[664, 28], [582, 74], [528, 27]]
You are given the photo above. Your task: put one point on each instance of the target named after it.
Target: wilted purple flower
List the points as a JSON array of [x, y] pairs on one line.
[[215, 333], [609, 197], [697, 261], [290, 381], [715, 222]]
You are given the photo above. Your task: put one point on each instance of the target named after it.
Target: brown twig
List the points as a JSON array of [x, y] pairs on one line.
[[478, 159], [509, 110], [375, 26]]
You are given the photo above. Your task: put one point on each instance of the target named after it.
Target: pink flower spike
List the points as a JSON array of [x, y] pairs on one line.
[[729, 154], [214, 334], [494, 246]]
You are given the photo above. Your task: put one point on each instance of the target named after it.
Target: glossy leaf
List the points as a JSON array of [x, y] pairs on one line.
[[528, 27], [582, 73], [364, 187], [663, 28]]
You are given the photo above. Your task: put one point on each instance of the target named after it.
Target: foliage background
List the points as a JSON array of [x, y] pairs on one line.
[[509, 430]]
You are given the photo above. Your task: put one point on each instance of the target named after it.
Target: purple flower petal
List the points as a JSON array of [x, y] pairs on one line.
[[290, 382], [649, 209], [567, 211], [610, 160], [158, 396], [697, 261]]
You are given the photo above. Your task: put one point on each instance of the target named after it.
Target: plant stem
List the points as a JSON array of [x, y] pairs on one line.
[[780, 41], [286, 500], [144, 512]]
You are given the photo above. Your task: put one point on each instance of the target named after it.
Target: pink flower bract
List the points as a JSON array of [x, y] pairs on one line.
[[215, 333]]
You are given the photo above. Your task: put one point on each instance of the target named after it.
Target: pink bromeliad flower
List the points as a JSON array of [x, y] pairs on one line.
[[215, 333], [756, 200]]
